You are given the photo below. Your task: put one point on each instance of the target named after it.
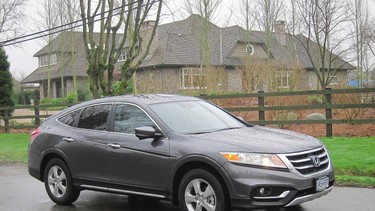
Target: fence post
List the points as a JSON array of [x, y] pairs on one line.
[[36, 109], [6, 120], [328, 98], [261, 107]]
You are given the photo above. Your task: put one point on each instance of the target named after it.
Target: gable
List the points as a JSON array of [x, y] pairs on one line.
[[239, 51]]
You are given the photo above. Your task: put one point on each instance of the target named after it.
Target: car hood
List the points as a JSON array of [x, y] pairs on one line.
[[263, 140]]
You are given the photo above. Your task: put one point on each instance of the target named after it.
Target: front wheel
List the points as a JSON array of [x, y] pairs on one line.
[[200, 190], [58, 183]]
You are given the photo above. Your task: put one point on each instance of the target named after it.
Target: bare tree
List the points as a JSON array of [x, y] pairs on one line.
[[48, 19], [72, 10], [266, 13], [11, 17], [103, 53], [206, 10], [362, 42], [324, 25]]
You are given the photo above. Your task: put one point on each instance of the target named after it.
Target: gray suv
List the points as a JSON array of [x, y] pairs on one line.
[[178, 148]]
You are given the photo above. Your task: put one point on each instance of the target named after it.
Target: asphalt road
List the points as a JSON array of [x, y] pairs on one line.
[[19, 191]]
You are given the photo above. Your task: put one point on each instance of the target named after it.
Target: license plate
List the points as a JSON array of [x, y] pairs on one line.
[[322, 184]]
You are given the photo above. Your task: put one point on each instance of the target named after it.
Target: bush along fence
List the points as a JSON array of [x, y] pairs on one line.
[[275, 106], [353, 102]]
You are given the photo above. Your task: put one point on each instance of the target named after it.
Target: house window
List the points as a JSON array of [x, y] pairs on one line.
[[334, 81], [122, 56], [283, 79], [192, 78], [43, 60], [250, 49]]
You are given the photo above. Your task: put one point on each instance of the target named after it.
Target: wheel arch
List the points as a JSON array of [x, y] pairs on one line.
[[49, 155], [198, 162]]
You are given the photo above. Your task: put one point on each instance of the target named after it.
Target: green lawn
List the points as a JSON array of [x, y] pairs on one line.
[[13, 147], [353, 158]]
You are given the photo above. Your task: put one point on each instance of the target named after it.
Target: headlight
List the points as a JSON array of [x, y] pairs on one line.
[[265, 160]]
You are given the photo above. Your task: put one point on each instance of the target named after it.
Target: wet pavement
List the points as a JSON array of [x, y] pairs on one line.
[[20, 191]]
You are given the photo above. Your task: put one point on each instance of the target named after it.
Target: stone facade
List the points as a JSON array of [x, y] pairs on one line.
[[168, 80]]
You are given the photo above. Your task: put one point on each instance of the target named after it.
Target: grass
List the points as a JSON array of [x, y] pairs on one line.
[[353, 158], [13, 147]]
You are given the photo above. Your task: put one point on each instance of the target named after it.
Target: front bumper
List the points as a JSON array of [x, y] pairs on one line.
[[288, 188], [303, 199]]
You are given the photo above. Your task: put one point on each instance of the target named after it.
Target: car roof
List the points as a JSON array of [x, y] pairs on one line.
[[138, 99], [149, 98], [145, 99]]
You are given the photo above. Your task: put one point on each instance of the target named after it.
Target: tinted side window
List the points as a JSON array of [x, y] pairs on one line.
[[128, 117], [70, 118], [94, 117]]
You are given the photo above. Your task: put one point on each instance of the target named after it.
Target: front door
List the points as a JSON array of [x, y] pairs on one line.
[[134, 163]]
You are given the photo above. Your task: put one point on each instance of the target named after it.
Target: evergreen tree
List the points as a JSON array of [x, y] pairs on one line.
[[6, 83]]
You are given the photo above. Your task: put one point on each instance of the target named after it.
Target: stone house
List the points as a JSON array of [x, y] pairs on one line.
[[174, 61]]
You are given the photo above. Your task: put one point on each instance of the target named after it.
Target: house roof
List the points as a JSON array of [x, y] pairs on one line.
[[63, 43], [300, 45], [177, 44]]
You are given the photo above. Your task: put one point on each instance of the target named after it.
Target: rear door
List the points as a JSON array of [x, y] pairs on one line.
[[134, 163], [85, 143]]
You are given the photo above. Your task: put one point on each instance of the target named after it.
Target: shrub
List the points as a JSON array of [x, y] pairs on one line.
[[71, 98], [316, 99], [349, 98], [84, 95]]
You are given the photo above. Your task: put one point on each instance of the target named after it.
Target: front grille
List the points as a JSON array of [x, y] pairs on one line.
[[304, 163]]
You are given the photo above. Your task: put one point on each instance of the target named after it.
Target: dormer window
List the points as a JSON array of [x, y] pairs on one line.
[[43, 60], [250, 49]]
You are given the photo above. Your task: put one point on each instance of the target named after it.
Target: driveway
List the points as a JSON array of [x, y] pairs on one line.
[[19, 191]]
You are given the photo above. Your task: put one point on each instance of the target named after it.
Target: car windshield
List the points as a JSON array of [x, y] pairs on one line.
[[194, 117]]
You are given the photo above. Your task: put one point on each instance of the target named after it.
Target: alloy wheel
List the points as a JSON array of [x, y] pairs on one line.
[[57, 182], [200, 196]]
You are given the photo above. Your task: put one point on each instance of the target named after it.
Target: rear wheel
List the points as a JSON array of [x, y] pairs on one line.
[[58, 183], [200, 190]]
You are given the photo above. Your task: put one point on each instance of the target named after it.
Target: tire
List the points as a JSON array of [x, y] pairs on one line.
[[201, 190], [59, 184]]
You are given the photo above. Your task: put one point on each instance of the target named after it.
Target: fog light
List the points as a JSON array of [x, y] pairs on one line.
[[264, 191], [270, 193]]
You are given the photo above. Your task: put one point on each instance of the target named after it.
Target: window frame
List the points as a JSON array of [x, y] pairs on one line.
[[113, 117], [201, 72], [252, 49], [122, 56], [74, 125], [108, 116], [334, 81], [76, 121], [279, 77], [43, 60]]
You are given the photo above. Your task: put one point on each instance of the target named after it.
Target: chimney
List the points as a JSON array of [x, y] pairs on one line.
[[280, 32], [148, 24], [146, 31]]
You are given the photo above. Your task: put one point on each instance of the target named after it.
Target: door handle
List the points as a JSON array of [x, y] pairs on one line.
[[114, 146], [67, 139]]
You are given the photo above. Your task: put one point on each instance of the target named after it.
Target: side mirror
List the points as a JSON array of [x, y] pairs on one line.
[[147, 132]]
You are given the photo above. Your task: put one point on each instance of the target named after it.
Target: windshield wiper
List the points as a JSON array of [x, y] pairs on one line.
[[203, 132], [227, 128], [197, 133]]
